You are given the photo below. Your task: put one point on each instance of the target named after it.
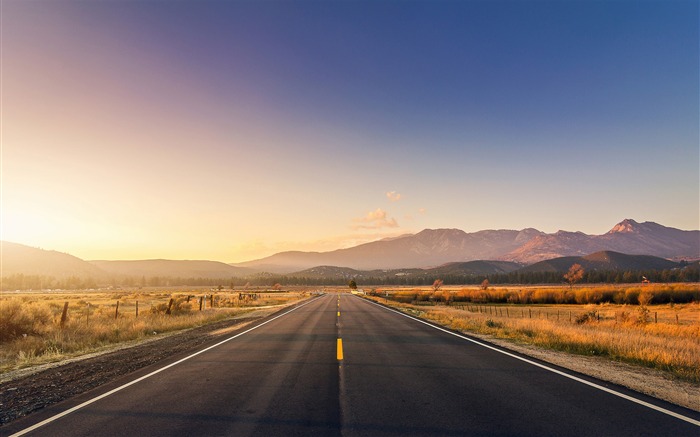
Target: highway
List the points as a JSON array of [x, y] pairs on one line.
[[340, 365]]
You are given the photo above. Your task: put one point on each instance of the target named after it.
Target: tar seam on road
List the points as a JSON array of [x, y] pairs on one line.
[[111, 392], [558, 372]]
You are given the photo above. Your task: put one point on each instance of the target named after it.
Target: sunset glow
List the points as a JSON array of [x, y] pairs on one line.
[[233, 130]]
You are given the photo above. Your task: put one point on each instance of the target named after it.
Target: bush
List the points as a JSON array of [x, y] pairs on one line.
[[587, 317], [179, 306], [18, 319], [491, 324]]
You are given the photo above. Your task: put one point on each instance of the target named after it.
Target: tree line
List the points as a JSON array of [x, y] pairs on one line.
[[39, 282]]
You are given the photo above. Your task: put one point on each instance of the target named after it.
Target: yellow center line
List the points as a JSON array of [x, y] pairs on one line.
[[339, 354]]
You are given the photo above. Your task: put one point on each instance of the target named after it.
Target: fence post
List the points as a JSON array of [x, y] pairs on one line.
[[137, 309], [569, 315], [170, 305], [87, 319], [529, 310], [200, 303], [212, 301], [676, 319], [64, 315], [116, 311], [655, 320]]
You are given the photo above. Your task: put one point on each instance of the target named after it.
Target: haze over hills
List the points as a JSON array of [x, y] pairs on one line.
[[431, 251], [434, 247], [171, 268], [21, 259]]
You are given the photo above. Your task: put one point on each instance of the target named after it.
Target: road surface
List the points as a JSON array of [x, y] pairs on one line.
[[340, 365]]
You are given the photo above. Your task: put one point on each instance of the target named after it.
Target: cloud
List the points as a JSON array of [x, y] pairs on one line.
[[376, 219], [393, 196], [421, 210]]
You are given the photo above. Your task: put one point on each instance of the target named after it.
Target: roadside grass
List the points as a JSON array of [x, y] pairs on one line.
[[619, 332], [32, 331]]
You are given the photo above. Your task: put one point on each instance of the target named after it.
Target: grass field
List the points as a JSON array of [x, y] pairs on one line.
[[664, 336], [34, 330]]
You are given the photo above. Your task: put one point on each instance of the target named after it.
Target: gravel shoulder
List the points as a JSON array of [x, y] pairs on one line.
[[25, 391]]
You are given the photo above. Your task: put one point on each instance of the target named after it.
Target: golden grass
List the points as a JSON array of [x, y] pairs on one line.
[[555, 294], [31, 331], [619, 334]]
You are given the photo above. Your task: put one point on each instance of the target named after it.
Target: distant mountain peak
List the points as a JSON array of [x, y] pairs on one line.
[[627, 226]]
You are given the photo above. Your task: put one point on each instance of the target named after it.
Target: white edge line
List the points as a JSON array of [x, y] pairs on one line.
[[558, 372], [111, 392]]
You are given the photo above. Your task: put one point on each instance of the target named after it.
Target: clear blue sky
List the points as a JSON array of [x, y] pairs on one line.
[[233, 130]]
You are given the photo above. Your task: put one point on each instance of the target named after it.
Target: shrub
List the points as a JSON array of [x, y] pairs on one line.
[[18, 319], [586, 317], [491, 324], [179, 306]]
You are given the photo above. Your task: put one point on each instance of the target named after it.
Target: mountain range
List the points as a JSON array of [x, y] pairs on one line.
[[438, 252], [435, 247]]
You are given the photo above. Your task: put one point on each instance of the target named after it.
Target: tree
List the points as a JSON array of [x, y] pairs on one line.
[[485, 284], [437, 284], [352, 284], [574, 274]]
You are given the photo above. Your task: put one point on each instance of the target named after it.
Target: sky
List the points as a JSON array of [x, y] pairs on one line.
[[232, 130]]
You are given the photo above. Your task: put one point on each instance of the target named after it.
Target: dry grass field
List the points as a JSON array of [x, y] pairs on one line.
[[34, 329], [660, 336]]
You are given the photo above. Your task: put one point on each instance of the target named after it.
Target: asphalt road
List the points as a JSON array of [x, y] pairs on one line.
[[388, 375]]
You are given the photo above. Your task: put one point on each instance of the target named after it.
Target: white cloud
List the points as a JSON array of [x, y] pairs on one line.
[[376, 219], [393, 196]]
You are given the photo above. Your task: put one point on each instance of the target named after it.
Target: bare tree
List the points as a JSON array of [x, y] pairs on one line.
[[574, 274], [485, 284], [437, 284]]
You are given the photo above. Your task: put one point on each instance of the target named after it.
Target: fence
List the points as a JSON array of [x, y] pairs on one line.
[[125, 308], [598, 313]]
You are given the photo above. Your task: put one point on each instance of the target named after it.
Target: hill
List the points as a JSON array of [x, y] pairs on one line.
[[171, 268], [603, 261], [26, 260], [470, 268], [475, 268]]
